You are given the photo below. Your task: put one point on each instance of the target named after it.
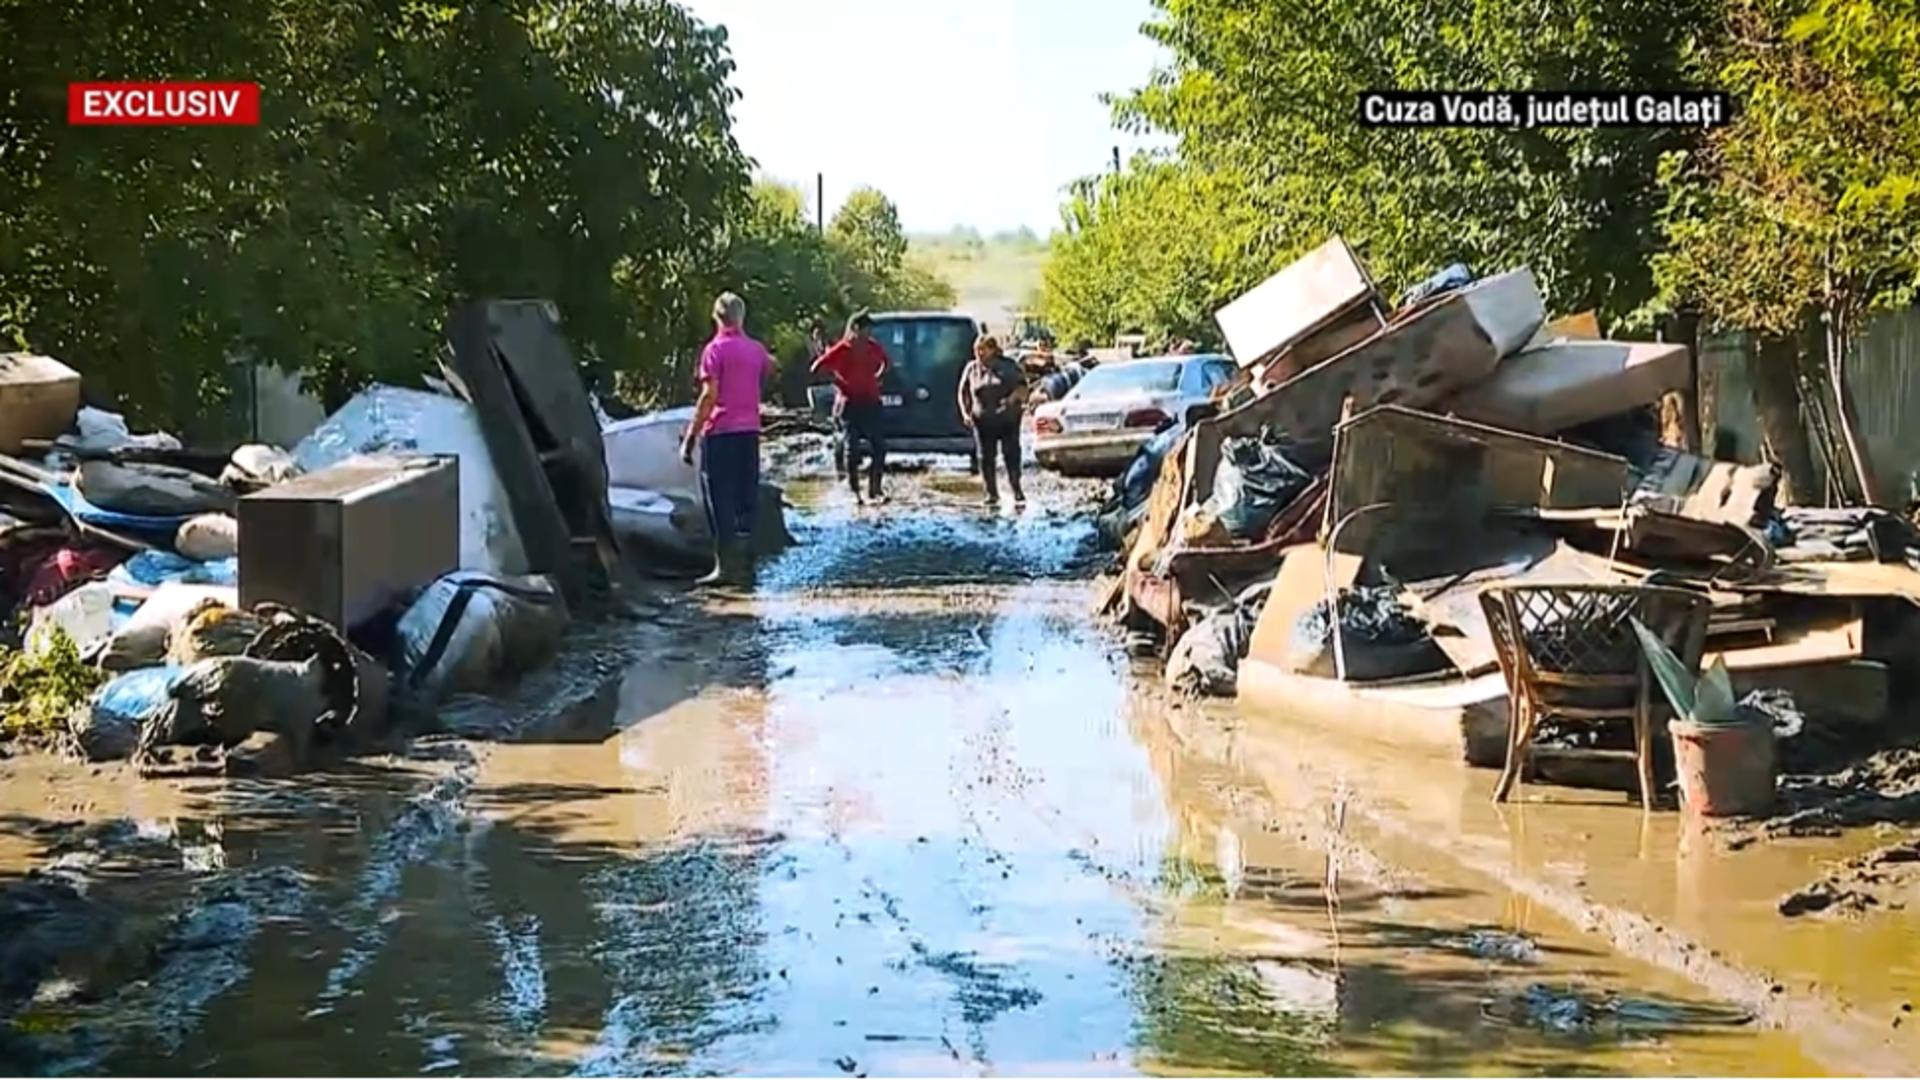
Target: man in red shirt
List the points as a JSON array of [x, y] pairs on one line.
[[857, 363]]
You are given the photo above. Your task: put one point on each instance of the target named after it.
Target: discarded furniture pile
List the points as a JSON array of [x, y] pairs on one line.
[[1358, 537], [234, 612]]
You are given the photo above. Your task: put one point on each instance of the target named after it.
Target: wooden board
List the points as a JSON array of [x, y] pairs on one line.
[[1452, 608], [1822, 643], [1305, 577], [1310, 292], [530, 496], [1438, 480], [1716, 492], [1164, 503]]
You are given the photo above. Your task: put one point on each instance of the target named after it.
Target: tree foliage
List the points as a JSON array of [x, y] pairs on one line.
[[867, 228], [1262, 97], [792, 275], [1153, 250], [1806, 210], [1811, 201], [409, 155]]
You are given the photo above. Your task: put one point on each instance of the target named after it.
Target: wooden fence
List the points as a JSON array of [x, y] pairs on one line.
[[1883, 370]]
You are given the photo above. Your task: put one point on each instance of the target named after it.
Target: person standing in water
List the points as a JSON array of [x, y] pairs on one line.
[[857, 364], [992, 391], [726, 423]]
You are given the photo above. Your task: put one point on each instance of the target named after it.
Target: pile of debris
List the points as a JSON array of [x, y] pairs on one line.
[[1389, 465], [233, 611]]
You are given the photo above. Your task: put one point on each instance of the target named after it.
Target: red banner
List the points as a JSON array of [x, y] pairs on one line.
[[163, 103]]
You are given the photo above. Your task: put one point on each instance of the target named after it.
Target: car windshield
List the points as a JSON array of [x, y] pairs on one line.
[[1136, 376]]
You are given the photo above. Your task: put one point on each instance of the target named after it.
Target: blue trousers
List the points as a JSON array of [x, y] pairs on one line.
[[730, 473]]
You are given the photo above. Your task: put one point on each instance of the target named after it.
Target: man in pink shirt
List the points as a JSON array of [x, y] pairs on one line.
[[726, 420]]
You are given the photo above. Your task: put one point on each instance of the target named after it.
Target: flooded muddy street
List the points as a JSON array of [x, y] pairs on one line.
[[905, 808]]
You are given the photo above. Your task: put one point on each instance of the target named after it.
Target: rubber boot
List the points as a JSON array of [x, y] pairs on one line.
[[718, 575], [744, 562]]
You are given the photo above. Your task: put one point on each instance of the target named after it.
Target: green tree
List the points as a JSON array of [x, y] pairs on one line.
[[1807, 209], [409, 156], [1154, 250], [1576, 205], [867, 229], [791, 276], [1262, 98]]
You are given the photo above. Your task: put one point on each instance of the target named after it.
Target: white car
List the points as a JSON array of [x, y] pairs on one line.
[[1105, 419]]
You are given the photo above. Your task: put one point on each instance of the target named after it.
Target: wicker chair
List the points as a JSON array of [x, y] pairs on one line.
[[1569, 652]]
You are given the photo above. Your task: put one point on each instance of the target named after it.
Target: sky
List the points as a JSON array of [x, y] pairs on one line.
[[964, 112]]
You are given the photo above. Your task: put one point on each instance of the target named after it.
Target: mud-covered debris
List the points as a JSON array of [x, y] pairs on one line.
[[1572, 1011], [1887, 878], [1500, 945], [1380, 637]]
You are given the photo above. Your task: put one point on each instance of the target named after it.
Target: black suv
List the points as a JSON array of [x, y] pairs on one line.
[[919, 411]]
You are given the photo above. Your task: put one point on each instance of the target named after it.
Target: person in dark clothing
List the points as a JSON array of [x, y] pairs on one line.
[[857, 365], [726, 426], [992, 392]]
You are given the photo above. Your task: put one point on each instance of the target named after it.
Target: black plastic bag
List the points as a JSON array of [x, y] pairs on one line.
[[1143, 471], [1380, 638], [1256, 480]]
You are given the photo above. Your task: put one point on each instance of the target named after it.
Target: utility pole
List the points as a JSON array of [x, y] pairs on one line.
[[820, 201]]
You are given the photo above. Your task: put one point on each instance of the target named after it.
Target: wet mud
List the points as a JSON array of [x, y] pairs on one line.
[[901, 808]]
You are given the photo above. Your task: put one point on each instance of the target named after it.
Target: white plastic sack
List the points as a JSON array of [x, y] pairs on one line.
[[256, 463], [644, 452], [470, 630], [142, 640], [86, 614], [100, 430], [388, 418], [208, 537], [658, 525]]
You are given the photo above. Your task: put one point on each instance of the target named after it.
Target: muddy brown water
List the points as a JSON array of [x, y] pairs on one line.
[[902, 809]]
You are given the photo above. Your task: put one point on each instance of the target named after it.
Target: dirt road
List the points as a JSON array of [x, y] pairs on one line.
[[904, 809]]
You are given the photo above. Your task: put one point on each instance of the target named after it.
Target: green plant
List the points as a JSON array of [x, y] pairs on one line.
[[1707, 700], [40, 688]]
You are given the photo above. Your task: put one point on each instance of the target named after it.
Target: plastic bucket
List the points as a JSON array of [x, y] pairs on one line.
[[1725, 770]]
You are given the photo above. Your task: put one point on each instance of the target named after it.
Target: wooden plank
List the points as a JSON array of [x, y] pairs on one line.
[[1163, 507], [1453, 608], [1828, 642], [1305, 577], [476, 368]]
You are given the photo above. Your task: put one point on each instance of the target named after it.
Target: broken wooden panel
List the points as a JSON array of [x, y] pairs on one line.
[[510, 360], [1313, 291], [1307, 576], [1425, 356], [1563, 384], [1441, 479], [1452, 609], [1721, 492], [1851, 579], [1836, 638], [1325, 343], [1164, 503], [1580, 326]]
